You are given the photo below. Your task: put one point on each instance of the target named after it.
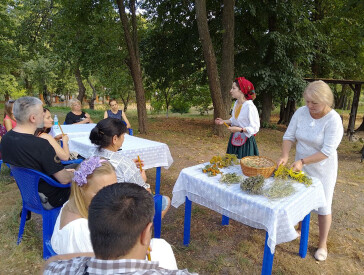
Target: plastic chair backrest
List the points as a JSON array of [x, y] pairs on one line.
[[27, 181]]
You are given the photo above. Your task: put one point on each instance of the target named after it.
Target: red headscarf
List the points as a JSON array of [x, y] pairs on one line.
[[246, 88]]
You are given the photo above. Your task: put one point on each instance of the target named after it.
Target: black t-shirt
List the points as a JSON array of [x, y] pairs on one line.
[[72, 118], [36, 153]]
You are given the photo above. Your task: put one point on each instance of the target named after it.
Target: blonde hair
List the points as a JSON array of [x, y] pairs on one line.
[[74, 101], [321, 92], [77, 192]]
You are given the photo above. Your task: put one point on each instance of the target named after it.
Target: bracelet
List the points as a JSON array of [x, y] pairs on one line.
[[303, 163]]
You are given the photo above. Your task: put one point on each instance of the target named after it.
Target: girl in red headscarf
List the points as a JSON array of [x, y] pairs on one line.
[[244, 123]]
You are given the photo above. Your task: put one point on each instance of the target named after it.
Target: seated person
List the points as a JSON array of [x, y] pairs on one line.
[[108, 135], [63, 153], [9, 119], [77, 116], [20, 147], [116, 113], [71, 231]]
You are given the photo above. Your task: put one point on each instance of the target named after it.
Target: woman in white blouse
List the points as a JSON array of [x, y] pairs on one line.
[[317, 131], [244, 123], [71, 233]]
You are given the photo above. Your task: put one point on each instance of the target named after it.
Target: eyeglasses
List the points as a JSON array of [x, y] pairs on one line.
[[11, 101]]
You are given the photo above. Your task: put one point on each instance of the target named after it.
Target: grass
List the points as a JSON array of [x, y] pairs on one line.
[[214, 249]]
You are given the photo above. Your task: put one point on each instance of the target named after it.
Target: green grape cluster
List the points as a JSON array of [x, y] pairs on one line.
[[253, 185]]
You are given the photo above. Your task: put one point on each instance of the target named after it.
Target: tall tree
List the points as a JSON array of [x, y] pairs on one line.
[[134, 62], [220, 109]]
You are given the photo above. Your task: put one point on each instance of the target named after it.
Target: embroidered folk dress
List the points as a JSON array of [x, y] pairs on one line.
[[317, 135], [248, 118]]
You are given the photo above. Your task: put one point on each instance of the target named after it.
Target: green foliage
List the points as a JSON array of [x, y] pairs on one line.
[[269, 125], [180, 105]]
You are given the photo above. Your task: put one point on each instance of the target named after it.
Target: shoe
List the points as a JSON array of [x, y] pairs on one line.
[[321, 254]]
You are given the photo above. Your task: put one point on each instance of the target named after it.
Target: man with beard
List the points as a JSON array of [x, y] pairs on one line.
[[21, 148]]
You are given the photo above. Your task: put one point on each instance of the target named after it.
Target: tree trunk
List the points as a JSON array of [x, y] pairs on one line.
[[267, 104], [81, 87], [361, 127], [267, 98], [281, 113], [126, 101], [93, 98], [354, 110], [134, 67], [45, 96], [227, 58], [211, 65]]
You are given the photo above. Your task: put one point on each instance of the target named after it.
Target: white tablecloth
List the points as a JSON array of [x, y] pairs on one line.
[[153, 153], [277, 217], [73, 130]]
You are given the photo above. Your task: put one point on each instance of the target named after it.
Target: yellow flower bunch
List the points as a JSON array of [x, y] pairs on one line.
[[283, 173]]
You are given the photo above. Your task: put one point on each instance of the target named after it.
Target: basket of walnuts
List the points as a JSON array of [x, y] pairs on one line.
[[256, 165]]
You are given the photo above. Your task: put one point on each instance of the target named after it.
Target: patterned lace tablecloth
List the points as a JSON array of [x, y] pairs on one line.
[[277, 217]]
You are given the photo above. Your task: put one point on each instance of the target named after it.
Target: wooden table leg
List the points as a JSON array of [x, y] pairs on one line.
[[187, 225], [305, 229], [158, 181], [267, 258]]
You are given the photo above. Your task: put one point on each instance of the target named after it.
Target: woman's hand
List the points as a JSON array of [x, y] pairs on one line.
[[136, 161], [297, 165], [219, 121], [282, 161], [65, 139], [234, 129]]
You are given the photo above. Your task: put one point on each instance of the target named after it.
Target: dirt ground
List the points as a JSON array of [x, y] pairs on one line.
[[217, 249]]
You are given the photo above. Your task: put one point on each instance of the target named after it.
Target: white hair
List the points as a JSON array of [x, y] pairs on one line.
[[24, 107]]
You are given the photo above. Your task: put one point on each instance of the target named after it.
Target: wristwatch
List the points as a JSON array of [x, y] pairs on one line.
[[242, 130]]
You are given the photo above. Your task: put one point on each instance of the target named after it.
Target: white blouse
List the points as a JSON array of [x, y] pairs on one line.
[[248, 118], [317, 135]]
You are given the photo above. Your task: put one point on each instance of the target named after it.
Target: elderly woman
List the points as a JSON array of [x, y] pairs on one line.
[[9, 119], [244, 123], [63, 153], [71, 232], [108, 135], [114, 112], [317, 131], [77, 116]]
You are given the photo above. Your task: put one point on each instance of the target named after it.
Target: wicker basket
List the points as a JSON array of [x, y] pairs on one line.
[[263, 166]]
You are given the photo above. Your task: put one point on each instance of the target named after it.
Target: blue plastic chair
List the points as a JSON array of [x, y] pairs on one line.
[[27, 181], [66, 162]]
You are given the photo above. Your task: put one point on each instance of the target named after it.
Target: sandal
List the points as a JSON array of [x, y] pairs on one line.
[[321, 254]]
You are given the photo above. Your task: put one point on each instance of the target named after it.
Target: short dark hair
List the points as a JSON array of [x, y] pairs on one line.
[[105, 130], [117, 216], [111, 100]]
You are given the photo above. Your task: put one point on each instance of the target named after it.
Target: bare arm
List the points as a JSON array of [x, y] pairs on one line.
[[106, 115], [317, 157], [126, 120], [286, 147], [220, 121], [89, 118], [63, 176], [8, 125], [62, 153]]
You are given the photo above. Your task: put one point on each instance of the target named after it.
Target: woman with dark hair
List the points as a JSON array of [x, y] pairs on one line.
[[108, 135], [9, 119], [244, 123], [62, 153], [114, 112]]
